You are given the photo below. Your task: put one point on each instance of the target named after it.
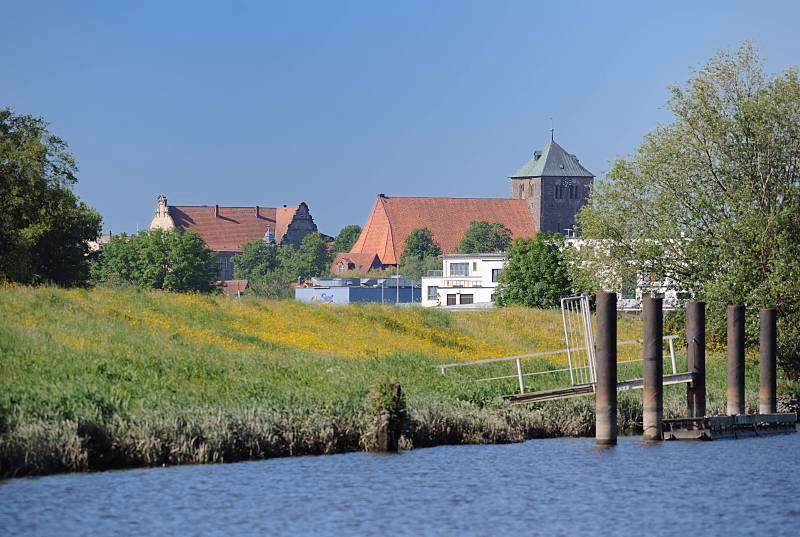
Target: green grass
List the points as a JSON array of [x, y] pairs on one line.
[[106, 378]]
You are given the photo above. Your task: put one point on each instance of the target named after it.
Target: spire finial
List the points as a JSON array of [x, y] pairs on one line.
[[552, 130]]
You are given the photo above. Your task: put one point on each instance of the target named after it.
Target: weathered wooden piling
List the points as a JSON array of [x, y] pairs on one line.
[[735, 359], [653, 397], [606, 367], [696, 358], [767, 343]]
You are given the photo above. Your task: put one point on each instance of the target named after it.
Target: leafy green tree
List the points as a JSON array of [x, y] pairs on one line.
[[482, 236], [346, 238], [44, 227], [191, 266], [114, 263], [420, 244], [313, 258], [415, 268], [421, 254], [157, 259], [257, 259], [536, 274], [710, 202]]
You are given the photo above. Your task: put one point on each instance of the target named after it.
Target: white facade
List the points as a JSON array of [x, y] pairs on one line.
[[465, 281]]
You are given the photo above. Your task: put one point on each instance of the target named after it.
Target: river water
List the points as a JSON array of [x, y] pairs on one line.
[[541, 487]]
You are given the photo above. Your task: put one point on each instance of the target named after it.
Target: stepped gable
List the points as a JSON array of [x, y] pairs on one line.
[[393, 218]]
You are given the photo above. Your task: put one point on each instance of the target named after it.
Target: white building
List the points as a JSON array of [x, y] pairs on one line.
[[467, 280]]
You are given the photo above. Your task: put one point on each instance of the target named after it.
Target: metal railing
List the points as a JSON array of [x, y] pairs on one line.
[[521, 374]]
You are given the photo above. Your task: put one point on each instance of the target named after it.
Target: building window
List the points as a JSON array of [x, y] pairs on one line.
[[466, 299], [496, 274], [459, 269], [341, 268], [433, 292], [451, 300], [474, 266]]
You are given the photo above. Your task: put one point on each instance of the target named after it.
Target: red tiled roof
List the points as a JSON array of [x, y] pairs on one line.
[[393, 218], [359, 262], [283, 217], [226, 229]]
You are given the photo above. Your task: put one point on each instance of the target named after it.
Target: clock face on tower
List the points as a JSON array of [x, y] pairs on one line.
[[566, 182]]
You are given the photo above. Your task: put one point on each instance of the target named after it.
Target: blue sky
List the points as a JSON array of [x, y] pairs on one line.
[[244, 102]]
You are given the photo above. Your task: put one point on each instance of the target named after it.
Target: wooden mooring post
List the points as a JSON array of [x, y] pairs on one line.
[[606, 369], [653, 396], [696, 358], [767, 342], [735, 392]]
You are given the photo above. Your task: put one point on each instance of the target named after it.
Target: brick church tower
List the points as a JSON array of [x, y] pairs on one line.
[[555, 186]]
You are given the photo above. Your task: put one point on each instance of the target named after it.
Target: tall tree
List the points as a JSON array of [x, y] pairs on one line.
[[420, 244], [313, 257], [157, 259], [346, 238], [44, 227], [536, 274], [710, 202], [256, 260], [482, 236], [421, 254]]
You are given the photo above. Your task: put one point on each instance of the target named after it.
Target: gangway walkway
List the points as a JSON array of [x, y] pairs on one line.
[[580, 351]]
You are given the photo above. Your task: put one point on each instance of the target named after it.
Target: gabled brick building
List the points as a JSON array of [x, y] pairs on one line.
[[546, 194], [226, 229]]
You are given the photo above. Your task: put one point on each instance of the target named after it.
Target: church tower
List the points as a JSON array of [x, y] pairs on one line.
[[555, 186]]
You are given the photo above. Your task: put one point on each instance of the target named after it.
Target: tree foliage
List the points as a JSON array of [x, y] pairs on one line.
[[346, 238], [256, 260], [482, 237], [157, 259], [536, 275], [270, 269], [421, 254], [711, 201], [44, 227], [313, 258], [419, 243]]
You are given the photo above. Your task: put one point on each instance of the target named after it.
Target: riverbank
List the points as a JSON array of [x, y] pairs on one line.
[[111, 378]]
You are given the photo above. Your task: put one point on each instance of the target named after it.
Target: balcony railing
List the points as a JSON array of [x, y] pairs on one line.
[[435, 273]]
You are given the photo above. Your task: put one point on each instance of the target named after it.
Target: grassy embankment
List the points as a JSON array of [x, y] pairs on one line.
[[93, 379]]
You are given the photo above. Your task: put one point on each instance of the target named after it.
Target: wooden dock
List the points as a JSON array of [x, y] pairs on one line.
[[715, 427], [585, 389]]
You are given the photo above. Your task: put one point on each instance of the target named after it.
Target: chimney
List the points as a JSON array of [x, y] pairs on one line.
[[216, 211], [258, 212]]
